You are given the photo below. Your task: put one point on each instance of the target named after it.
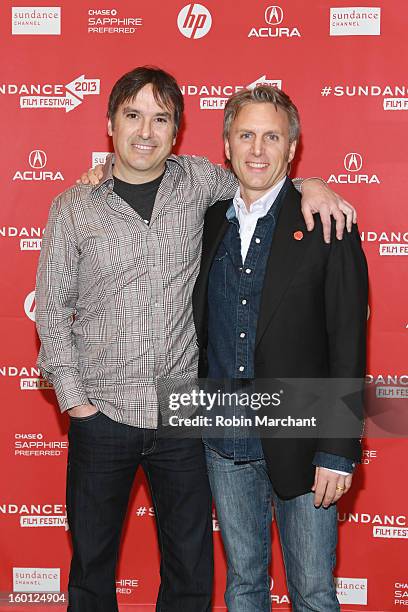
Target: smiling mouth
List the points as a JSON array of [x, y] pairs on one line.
[[257, 165], [143, 147]]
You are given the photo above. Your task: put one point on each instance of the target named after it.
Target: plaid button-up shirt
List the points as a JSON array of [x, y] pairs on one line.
[[113, 297]]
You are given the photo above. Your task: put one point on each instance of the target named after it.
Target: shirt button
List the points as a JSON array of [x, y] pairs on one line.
[[242, 335], [241, 368], [243, 302], [248, 270], [257, 240]]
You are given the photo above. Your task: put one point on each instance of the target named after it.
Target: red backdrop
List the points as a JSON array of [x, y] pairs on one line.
[[346, 68]]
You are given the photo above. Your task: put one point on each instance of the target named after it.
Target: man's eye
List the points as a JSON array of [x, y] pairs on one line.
[[131, 115], [273, 137], [161, 120], [246, 136]]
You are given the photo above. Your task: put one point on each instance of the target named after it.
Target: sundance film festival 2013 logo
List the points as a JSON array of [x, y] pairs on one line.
[[353, 163], [52, 95], [30, 238], [194, 21], [29, 378], [275, 26], [37, 160], [36, 515], [32, 20], [389, 526], [394, 97], [215, 96], [389, 242]]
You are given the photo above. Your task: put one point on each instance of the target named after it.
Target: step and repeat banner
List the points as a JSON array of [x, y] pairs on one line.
[[346, 68]]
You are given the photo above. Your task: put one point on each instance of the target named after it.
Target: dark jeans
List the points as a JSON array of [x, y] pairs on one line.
[[103, 459]]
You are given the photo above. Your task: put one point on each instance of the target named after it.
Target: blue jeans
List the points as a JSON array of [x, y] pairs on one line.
[[243, 495]]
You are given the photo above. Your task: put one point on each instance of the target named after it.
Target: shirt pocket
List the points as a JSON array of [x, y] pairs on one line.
[[219, 273]]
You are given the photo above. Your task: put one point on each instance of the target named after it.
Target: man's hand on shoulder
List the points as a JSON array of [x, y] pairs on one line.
[[329, 486], [318, 197], [82, 411], [92, 176]]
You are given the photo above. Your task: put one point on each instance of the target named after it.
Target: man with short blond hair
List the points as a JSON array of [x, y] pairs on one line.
[[272, 301]]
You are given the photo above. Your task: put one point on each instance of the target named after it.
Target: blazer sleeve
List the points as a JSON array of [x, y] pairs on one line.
[[346, 301]]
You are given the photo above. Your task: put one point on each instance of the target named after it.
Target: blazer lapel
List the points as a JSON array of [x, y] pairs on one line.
[[290, 242], [215, 226]]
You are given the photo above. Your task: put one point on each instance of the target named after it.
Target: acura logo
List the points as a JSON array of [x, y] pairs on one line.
[[353, 162], [274, 15], [37, 159]]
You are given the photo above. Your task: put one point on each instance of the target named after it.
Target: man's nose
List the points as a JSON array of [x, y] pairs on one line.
[[257, 146], [146, 129]]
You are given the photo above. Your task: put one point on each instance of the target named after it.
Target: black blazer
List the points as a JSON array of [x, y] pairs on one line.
[[311, 324]]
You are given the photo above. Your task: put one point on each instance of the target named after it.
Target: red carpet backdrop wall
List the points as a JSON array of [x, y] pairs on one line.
[[346, 68]]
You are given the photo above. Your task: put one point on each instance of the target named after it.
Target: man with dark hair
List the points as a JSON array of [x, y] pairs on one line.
[[115, 278], [273, 301]]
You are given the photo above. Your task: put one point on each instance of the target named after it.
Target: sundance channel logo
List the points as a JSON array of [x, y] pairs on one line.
[[36, 579], [355, 21], [351, 591], [36, 20]]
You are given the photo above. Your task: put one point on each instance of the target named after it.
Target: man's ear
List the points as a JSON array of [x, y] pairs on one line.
[[227, 149], [292, 150], [110, 128]]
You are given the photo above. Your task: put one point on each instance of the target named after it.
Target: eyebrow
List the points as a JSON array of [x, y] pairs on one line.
[[131, 109], [249, 131]]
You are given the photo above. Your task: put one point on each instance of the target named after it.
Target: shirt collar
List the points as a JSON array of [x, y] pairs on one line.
[[107, 169], [261, 207]]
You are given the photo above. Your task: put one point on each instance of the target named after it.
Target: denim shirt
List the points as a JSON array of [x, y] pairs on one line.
[[235, 291], [234, 297]]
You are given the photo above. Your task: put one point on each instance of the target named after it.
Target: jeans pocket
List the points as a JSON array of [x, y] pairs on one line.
[[90, 417]]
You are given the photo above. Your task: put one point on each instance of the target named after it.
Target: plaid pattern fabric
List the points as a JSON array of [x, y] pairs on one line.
[[113, 296]]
